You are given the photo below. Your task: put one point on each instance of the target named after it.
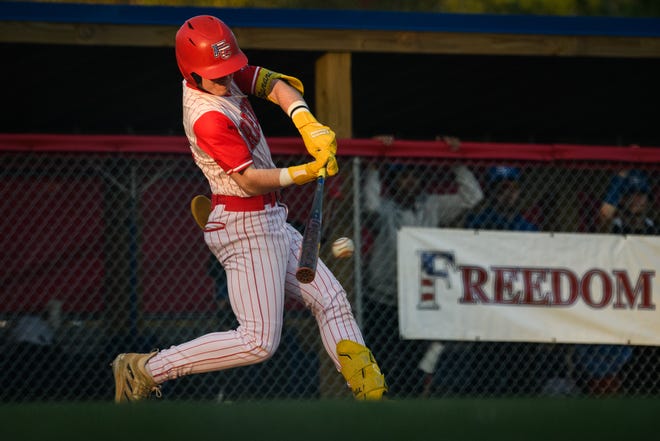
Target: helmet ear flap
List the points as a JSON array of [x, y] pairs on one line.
[[197, 78]]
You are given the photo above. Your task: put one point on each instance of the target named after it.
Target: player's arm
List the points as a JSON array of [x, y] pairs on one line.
[[469, 190], [220, 139], [287, 92], [447, 207], [610, 202], [372, 190], [319, 139], [255, 181], [258, 181], [260, 82], [285, 95], [278, 88]]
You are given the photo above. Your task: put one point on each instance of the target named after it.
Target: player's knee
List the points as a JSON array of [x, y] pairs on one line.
[[262, 350], [261, 353]]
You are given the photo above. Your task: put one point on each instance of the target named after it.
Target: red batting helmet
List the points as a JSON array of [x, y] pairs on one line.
[[206, 46]]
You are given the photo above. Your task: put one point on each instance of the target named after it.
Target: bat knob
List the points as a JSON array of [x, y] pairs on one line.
[[305, 275]]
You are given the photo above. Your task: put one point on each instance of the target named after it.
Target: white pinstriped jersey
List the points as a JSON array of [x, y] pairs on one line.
[[217, 164]]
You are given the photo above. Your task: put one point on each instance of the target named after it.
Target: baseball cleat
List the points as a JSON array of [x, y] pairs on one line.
[[359, 368], [132, 382]]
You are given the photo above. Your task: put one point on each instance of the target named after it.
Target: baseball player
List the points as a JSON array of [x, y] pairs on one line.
[[247, 229]]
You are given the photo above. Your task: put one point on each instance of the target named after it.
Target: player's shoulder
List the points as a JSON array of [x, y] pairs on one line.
[[246, 77], [197, 106]]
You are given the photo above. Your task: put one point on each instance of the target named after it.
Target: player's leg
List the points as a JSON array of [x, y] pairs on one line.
[[254, 252], [340, 333]]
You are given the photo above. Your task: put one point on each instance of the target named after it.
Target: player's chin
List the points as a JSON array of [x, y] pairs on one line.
[[218, 90]]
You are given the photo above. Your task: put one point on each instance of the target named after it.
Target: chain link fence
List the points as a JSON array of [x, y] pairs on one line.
[[100, 255]]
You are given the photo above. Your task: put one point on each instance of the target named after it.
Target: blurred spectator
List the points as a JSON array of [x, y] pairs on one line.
[[625, 208], [395, 200], [598, 367], [497, 364], [33, 330], [26, 362], [501, 210]]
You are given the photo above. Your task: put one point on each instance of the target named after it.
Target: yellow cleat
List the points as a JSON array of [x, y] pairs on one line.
[[361, 371]]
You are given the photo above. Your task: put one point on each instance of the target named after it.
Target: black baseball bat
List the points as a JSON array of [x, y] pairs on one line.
[[309, 252]]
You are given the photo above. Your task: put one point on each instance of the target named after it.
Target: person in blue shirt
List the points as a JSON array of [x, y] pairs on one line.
[[625, 210], [501, 209], [627, 205]]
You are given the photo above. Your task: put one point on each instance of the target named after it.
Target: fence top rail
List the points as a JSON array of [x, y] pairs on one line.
[[334, 19], [44, 143]]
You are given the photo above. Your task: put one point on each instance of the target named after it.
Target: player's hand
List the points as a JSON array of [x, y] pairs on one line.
[[332, 168], [304, 173], [327, 158], [318, 139]]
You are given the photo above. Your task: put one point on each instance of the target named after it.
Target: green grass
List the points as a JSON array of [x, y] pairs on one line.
[[446, 419]]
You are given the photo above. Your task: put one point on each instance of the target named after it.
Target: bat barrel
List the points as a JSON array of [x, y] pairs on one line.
[[309, 253]]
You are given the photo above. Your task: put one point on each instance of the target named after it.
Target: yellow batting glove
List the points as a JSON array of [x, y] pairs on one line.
[[331, 166], [304, 173], [317, 137], [327, 158]]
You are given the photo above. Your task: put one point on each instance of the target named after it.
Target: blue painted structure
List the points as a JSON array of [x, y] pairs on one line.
[[335, 19]]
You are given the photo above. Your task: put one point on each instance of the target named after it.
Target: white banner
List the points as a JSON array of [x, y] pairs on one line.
[[531, 287]]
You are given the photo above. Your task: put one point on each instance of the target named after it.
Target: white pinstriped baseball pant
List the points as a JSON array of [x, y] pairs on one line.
[[259, 251]]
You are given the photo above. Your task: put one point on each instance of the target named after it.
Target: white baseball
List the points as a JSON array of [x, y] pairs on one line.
[[343, 248]]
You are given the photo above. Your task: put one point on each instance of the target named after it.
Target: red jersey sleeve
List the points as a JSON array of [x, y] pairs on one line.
[[219, 137], [246, 79]]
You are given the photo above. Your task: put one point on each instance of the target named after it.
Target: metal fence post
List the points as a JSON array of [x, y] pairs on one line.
[[357, 235]]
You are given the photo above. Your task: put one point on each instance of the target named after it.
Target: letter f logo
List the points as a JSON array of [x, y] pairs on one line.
[[434, 265]]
